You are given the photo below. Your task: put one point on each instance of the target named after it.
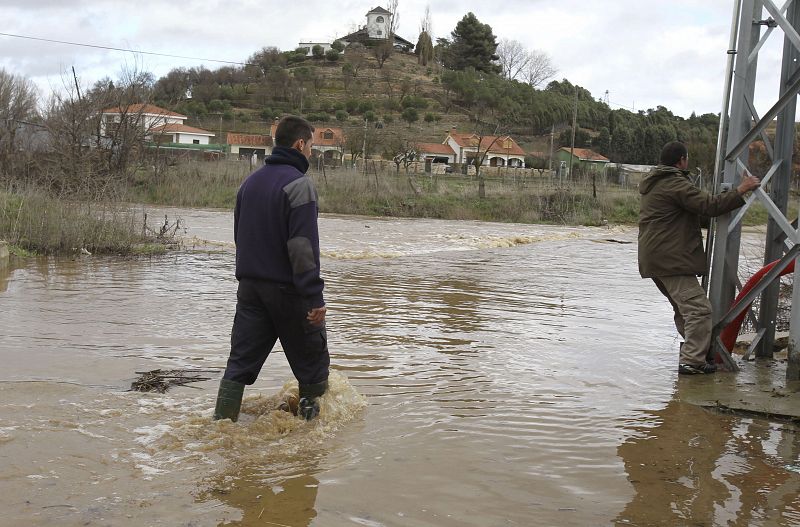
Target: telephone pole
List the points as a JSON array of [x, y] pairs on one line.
[[574, 122]]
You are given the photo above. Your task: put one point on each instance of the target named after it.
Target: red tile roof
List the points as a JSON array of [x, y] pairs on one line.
[[144, 108], [172, 128], [585, 154], [498, 143], [435, 148]]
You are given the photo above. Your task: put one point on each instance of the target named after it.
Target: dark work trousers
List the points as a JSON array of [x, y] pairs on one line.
[[266, 312]]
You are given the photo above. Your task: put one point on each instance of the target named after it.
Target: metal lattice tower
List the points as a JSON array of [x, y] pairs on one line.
[[737, 133]]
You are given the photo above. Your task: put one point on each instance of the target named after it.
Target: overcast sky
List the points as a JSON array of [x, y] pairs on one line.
[[644, 52]]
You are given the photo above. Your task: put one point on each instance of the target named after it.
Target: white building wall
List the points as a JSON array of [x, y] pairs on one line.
[[376, 29], [188, 139], [459, 156], [310, 45], [152, 120]]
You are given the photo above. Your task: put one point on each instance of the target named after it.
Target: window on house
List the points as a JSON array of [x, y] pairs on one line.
[[195, 141], [379, 20], [507, 143], [327, 134], [380, 32]]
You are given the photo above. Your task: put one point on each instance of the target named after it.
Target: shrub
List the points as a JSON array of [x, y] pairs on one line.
[[414, 102], [410, 115], [332, 55], [338, 46], [318, 117], [218, 105], [351, 105], [391, 105], [365, 106], [267, 114], [317, 51], [430, 117], [369, 116], [342, 115]]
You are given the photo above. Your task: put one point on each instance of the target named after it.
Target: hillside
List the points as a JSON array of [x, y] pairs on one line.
[[422, 102]]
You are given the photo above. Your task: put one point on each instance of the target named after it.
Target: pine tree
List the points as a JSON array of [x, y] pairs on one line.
[[473, 45]]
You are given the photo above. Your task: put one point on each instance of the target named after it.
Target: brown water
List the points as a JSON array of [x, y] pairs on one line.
[[485, 375]]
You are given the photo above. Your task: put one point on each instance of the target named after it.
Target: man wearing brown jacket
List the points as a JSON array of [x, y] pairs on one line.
[[671, 247]]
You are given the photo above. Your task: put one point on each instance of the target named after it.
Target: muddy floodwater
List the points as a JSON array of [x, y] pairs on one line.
[[483, 375]]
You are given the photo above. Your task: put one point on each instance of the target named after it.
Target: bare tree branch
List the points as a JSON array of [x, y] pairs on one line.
[[539, 69], [513, 58]]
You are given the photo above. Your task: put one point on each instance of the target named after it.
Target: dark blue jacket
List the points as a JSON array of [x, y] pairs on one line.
[[275, 225]]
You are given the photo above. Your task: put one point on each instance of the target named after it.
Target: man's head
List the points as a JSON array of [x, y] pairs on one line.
[[295, 132], [675, 154]]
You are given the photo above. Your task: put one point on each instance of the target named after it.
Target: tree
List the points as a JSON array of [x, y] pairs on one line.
[[338, 45], [17, 109], [357, 60], [356, 138], [603, 142], [382, 52], [424, 49], [582, 138], [513, 58], [539, 69], [318, 51], [473, 45], [267, 58], [394, 20], [410, 115]]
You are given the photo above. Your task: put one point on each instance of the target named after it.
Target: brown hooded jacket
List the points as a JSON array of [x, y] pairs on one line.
[[670, 242]]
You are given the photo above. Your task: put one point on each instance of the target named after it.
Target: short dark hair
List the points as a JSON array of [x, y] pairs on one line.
[[673, 152], [290, 129]]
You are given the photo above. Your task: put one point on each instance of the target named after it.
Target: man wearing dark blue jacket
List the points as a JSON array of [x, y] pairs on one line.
[[277, 265]]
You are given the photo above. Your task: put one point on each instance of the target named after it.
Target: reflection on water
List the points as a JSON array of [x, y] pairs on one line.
[[687, 472], [512, 375]]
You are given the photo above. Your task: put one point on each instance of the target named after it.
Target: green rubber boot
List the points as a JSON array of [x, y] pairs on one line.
[[229, 400]]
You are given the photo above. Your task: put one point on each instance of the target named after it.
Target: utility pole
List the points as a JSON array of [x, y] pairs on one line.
[[364, 147], [550, 164], [574, 122]]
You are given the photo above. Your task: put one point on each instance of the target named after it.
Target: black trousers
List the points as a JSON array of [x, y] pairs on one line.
[[266, 312]]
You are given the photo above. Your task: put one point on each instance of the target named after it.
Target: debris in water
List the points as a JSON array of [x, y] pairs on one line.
[[162, 380]]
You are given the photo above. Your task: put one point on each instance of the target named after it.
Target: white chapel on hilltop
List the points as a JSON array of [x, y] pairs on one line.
[[379, 23]]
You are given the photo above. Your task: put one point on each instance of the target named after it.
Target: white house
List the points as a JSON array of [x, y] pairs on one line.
[[378, 23], [159, 124], [181, 134], [310, 45], [436, 153], [498, 151]]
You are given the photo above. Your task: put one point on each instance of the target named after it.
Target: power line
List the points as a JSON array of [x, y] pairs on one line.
[[18, 121], [96, 46], [612, 103]]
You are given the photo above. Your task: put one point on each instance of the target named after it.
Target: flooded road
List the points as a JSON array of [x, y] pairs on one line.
[[485, 375]]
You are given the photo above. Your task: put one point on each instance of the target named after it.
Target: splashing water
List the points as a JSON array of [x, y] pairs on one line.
[[263, 429]]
